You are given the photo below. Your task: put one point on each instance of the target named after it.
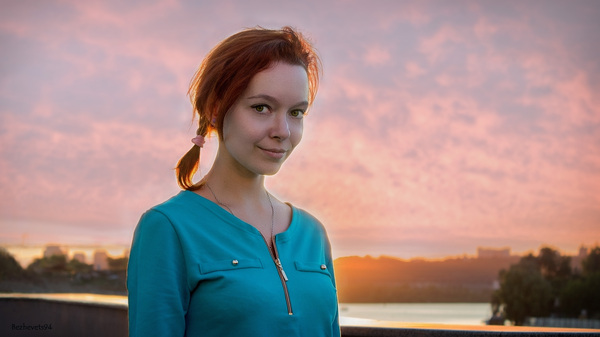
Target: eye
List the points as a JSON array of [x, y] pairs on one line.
[[260, 108], [298, 113]]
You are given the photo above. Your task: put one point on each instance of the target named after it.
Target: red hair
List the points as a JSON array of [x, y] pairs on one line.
[[227, 71]]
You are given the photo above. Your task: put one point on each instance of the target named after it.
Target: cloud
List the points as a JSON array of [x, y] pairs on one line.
[[438, 126], [377, 55]]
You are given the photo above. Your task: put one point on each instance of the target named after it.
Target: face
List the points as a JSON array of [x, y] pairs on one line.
[[264, 125]]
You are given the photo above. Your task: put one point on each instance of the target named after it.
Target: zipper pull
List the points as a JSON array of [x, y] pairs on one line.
[[280, 266]]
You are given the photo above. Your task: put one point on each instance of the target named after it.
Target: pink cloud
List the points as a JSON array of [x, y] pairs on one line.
[[376, 55], [436, 46], [436, 129]]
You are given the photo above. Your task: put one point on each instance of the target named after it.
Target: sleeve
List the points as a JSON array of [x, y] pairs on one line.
[[335, 327], [156, 279]]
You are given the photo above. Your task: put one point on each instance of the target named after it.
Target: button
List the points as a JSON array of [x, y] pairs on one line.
[[323, 267], [235, 262]]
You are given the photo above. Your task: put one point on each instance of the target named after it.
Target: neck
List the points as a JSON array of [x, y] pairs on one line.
[[235, 191], [234, 186]]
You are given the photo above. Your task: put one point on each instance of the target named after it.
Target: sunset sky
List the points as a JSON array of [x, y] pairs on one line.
[[439, 126]]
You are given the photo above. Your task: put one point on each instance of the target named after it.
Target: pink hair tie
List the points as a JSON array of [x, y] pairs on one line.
[[198, 141]]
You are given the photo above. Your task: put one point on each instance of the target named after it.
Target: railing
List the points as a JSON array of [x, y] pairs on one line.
[[103, 315]]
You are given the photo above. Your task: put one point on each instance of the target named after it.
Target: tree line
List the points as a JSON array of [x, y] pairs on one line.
[[392, 280], [58, 274], [547, 285]]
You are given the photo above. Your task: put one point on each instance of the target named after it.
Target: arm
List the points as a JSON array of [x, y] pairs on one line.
[[335, 327], [156, 279]]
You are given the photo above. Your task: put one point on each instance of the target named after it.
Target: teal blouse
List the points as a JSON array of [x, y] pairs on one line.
[[197, 270]]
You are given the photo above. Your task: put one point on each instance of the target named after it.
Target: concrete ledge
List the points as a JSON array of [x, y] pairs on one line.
[[440, 330], [43, 315], [105, 315]]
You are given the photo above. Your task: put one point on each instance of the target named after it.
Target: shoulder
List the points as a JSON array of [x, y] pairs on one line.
[[165, 222], [179, 200], [169, 212], [304, 215], [182, 205], [306, 220], [186, 212]]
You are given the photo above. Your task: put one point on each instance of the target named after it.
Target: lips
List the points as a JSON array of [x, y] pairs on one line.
[[273, 152]]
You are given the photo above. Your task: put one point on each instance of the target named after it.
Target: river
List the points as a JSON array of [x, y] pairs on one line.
[[440, 313]]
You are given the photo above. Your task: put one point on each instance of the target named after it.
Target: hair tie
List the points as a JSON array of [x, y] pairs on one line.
[[198, 140]]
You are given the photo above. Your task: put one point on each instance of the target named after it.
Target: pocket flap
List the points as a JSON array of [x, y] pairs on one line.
[[232, 264], [315, 267]]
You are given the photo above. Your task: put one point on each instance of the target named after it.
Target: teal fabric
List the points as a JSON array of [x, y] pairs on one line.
[[183, 281]]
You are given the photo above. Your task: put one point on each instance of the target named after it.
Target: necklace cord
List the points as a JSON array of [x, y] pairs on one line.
[[230, 211]]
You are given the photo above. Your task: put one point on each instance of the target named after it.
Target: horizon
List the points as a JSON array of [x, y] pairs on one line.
[[119, 250], [437, 125]]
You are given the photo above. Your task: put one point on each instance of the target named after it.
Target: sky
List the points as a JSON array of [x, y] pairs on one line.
[[439, 126]]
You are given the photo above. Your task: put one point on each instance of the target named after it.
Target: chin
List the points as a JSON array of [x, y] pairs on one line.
[[269, 170]]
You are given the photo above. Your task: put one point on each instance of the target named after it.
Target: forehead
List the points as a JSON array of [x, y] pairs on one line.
[[281, 80]]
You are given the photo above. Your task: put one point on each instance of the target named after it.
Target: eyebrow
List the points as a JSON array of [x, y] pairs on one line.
[[273, 99]]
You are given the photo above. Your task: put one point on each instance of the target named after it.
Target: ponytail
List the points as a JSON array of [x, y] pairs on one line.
[[188, 165]]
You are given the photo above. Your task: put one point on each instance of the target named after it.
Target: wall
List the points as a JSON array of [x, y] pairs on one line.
[[31, 316]]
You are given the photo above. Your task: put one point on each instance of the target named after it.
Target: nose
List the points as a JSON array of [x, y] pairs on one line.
[[280, 128]]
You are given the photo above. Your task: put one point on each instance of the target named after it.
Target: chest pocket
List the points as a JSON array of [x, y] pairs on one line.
[[232, 264], [312, 267]]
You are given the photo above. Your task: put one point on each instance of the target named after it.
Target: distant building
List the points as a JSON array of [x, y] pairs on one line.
[[100, 260], [55, 250], [492, 253], [583, 252], [79, 256], [577, 260]]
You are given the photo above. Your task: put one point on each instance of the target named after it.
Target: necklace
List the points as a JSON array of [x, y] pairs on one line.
[[230, 211]]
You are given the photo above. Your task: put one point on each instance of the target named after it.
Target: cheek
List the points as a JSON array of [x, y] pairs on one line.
[[296, 134], [236, 129]]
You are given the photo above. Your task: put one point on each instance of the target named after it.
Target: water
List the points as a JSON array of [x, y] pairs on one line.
[[350, 314], [72, 297], [439, 313]]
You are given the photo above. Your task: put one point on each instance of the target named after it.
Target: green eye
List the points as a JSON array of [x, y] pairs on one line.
[[297, 113], [259, 108]]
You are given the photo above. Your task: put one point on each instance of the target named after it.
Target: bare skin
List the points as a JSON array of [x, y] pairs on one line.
[[259, 132]]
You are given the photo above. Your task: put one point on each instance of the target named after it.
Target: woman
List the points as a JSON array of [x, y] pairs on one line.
[[224, 257]]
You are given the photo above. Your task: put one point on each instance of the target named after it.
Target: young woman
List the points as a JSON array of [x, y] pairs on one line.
[[224, 257]]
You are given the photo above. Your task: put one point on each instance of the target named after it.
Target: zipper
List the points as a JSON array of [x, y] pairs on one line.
[[282, 276]]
